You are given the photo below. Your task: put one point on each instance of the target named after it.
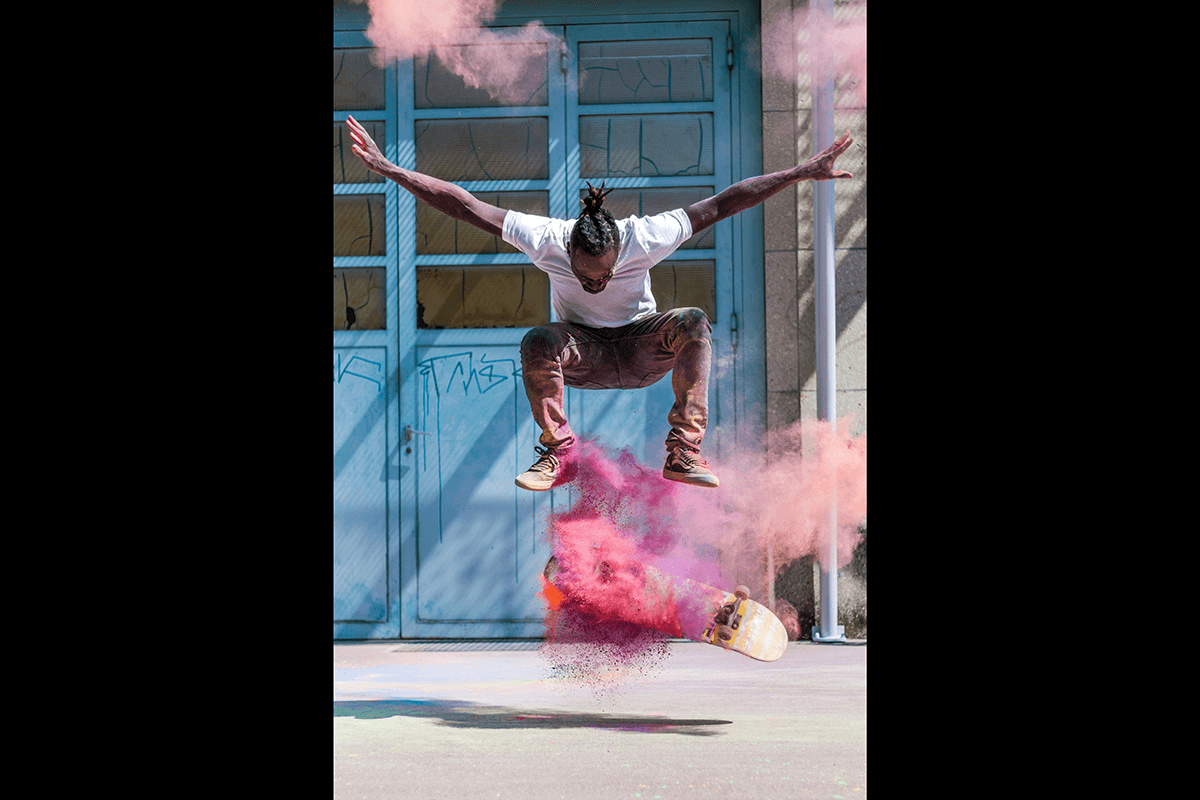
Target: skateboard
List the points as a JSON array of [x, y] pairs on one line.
[[624, 588]]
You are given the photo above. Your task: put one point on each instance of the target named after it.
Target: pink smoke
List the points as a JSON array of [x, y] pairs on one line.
[[820, 46], [403, 29], [817, 470], [779, 500], [603, 614]]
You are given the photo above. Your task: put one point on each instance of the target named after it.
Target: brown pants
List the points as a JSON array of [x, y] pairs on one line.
[[630, 357]]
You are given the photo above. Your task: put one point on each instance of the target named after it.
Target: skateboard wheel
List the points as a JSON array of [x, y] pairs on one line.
[[742, 591]]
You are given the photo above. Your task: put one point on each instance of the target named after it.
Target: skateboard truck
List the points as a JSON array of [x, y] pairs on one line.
[[727, 620]]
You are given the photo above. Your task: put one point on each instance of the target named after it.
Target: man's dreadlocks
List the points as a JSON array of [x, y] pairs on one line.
[[595, 229]]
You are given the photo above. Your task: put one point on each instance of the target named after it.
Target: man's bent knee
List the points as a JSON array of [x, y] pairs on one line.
[[541, 342], [693, 324]]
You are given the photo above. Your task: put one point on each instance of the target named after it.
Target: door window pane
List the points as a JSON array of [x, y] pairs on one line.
[[359, 299], [652, 71], [358, 228], [440, 234], [500, 75], [482, 297], [685, 284], [646, 201], [484, 149], [357, 82], [347, 167], [645, 145]]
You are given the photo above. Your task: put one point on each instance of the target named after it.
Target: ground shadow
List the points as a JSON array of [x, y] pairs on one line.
[[464, 714]]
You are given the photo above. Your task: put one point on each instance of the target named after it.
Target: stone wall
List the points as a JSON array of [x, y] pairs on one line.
[[789, 263]]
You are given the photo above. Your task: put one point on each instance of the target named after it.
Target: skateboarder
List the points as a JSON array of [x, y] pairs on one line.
[[610, 334]]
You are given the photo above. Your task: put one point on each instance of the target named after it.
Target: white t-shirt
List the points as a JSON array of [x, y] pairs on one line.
[[645, 241]]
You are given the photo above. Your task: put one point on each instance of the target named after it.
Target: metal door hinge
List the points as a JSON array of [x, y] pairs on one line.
[[729, 50], [564, 54], [733, 330]]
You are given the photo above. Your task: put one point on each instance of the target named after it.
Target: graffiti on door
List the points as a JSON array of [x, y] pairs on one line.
[[358, 367]]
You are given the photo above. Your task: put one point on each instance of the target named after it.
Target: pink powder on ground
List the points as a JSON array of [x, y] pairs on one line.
[[600, 656]]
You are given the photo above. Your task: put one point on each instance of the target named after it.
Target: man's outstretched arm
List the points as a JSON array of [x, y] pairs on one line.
[[753, 191], [446, 197]]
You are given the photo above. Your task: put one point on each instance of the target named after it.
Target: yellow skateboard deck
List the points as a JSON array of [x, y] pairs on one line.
[[748, 628]]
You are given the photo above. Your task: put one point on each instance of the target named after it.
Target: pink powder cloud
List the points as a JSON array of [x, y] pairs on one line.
[[402, 29], [626, 513], [801, 47]]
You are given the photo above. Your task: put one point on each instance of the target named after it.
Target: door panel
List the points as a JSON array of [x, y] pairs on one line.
[[620, 419], [475, 557], [360, 519], [479, 554], [367, 326]]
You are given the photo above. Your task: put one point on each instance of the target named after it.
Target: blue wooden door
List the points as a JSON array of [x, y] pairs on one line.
[[471, 567], [370, 321], [431, 536]]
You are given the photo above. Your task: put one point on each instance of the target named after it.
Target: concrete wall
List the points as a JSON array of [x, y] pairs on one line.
[[788, 224], [789, 264]]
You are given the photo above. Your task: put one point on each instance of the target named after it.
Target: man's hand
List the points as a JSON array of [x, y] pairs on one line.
[[449, 198], [366, 149], [752, 191], [820, 166]]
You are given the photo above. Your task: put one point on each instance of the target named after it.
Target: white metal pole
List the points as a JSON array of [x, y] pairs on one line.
[[826, 302]]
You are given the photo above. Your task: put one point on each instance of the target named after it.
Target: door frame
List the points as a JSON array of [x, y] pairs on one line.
[[399, 317]]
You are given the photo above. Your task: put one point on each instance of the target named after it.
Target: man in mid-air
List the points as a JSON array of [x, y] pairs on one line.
[[609, 334]]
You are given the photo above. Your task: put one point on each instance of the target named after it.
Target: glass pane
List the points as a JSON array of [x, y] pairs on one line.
[[359, 299], [357, 82], [482, 297], [642, 202], [646, 145], [507, 74], [439, 234], [685, 284], [358, 225], [661, 71], [347, 167], [484, 149]]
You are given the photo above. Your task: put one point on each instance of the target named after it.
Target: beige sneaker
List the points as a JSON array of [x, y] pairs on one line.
[[686, 466], [541, 476]]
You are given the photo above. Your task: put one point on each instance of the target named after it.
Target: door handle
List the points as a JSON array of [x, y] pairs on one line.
[[409, 433]]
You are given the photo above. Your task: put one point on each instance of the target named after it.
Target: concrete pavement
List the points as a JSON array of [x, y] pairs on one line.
[[513, 719]]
